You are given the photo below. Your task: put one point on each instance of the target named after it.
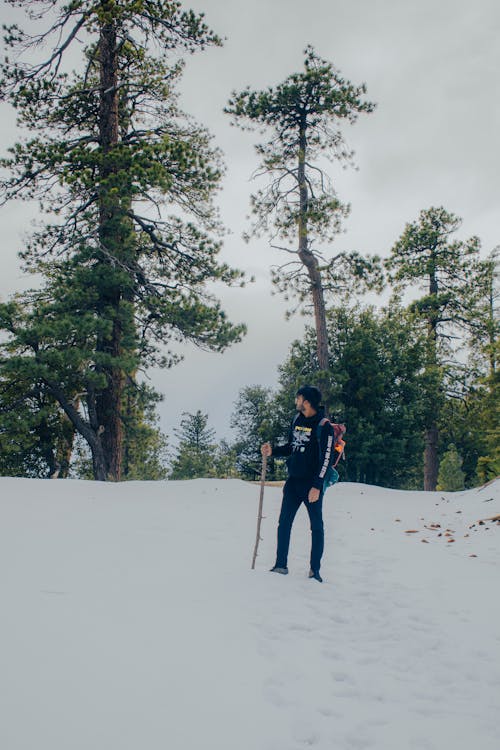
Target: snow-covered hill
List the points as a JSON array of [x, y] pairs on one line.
[[130, 620]]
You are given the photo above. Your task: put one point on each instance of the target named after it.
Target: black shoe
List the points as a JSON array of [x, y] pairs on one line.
[[315, 574], [276, 569]]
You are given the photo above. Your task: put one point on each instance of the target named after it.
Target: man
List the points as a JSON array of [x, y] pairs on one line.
[[307, 464]]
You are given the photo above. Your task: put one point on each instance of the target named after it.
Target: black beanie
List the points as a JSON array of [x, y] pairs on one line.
[[312, 394]]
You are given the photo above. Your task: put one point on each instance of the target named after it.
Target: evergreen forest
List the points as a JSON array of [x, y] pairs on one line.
[[126, 256]]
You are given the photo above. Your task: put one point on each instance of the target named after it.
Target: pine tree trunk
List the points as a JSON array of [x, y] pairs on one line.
[[64, 457], [90, 433], [312, 266], [98, 462], [109, 404], [64, 446], [431, 463], [109, 400], [46, 443]]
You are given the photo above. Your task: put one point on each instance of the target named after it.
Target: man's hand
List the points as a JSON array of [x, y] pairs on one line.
[[314, 494], [266, 449]]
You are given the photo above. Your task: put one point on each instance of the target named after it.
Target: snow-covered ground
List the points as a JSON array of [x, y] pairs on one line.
[[130, 620]]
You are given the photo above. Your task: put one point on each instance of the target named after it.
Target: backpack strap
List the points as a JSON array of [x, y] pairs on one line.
[[319, 428]]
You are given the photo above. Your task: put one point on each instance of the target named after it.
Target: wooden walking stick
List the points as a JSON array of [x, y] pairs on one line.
[[261, 503]]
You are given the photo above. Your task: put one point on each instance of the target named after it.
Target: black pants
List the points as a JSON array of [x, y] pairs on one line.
[[295, 492]]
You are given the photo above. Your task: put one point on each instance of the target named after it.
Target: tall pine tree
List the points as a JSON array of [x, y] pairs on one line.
[[299, 208], [111, 149], [425, 257]]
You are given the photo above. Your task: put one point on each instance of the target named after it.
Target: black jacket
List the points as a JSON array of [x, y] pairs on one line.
[[306, 458]]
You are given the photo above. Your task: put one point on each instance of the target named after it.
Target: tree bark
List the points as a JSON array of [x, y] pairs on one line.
[[311, 264], [46, 443], [65, 445], [92, 436], [431, 463], [109, 400]]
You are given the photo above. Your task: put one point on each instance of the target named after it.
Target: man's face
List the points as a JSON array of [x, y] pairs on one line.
[[299, 403]]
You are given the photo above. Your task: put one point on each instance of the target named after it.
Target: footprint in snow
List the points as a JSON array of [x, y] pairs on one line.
[[329, 713], [341, 677], [300, 628], [335, 655], [278, 698], [304, 734]]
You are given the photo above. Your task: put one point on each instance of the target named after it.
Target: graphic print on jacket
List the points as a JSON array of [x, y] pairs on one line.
[[301, 436]]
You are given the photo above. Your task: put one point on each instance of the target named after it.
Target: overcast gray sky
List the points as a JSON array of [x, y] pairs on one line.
[[433, 69]]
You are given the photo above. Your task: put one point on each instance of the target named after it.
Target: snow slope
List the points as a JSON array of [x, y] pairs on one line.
[[130, 620]]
